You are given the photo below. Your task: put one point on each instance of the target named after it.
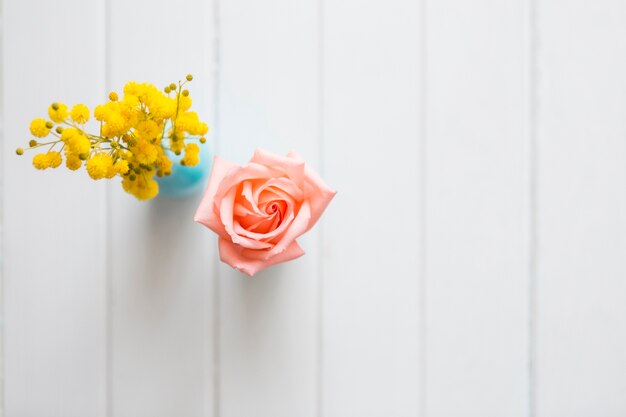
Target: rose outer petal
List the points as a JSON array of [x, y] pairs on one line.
[[245, 261], [316, 191], [205, 214], [294, 168]]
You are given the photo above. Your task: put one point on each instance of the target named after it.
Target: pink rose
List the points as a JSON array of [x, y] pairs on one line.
[[259, 209]]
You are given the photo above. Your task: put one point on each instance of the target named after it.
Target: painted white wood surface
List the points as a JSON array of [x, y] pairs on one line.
[[477, 208], [162, 263], [371, 312], [54, 263], [472, 263], [581, 217], [268, 98]]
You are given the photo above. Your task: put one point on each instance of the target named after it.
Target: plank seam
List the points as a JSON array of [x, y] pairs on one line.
[[422, 354], [2, 247], [532, 203], [106, 4], [216, 275], [320, 271]]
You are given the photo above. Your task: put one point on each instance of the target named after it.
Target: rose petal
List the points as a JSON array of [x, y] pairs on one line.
[[298, 227], [292, 167], [268, 236], [244, 259], [248, 193], [242, 211], [316, 191], [256, 224], [250, 171], [252, 221], [206, 214], [277, 195], [226, 215], [285, 184]]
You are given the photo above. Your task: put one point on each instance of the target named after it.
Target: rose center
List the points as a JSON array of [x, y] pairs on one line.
[[276, 209]]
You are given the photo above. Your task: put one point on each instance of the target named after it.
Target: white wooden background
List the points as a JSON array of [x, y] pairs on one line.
[[472, 264]]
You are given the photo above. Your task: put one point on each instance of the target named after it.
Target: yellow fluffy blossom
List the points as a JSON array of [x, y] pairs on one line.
[[39, 128], [189, 122], [132, 88], [131, 100], [161, 107], [185, 103], [69, 133], [191, 155], [40, 161], [136, 134], [121, 167], [80, 144], [76, 141], [164, 164], [54, 159], [99, 166], [100, 112], [57, 112], [142, 187], [80, 114], [148, 130], [177, 143], [117, 120], [47, 160], [72, 161], [144, 152]]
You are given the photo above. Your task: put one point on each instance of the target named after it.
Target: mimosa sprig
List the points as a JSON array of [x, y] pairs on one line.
[[134, 136]]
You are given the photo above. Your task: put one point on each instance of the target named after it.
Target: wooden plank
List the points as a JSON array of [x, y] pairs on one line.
[[477, 208], [371, 300], [2, 238], [162, 262], [54, 242], [581, 290], [269, 92]]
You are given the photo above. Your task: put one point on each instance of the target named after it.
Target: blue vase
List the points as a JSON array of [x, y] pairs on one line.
[[185, 180]]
